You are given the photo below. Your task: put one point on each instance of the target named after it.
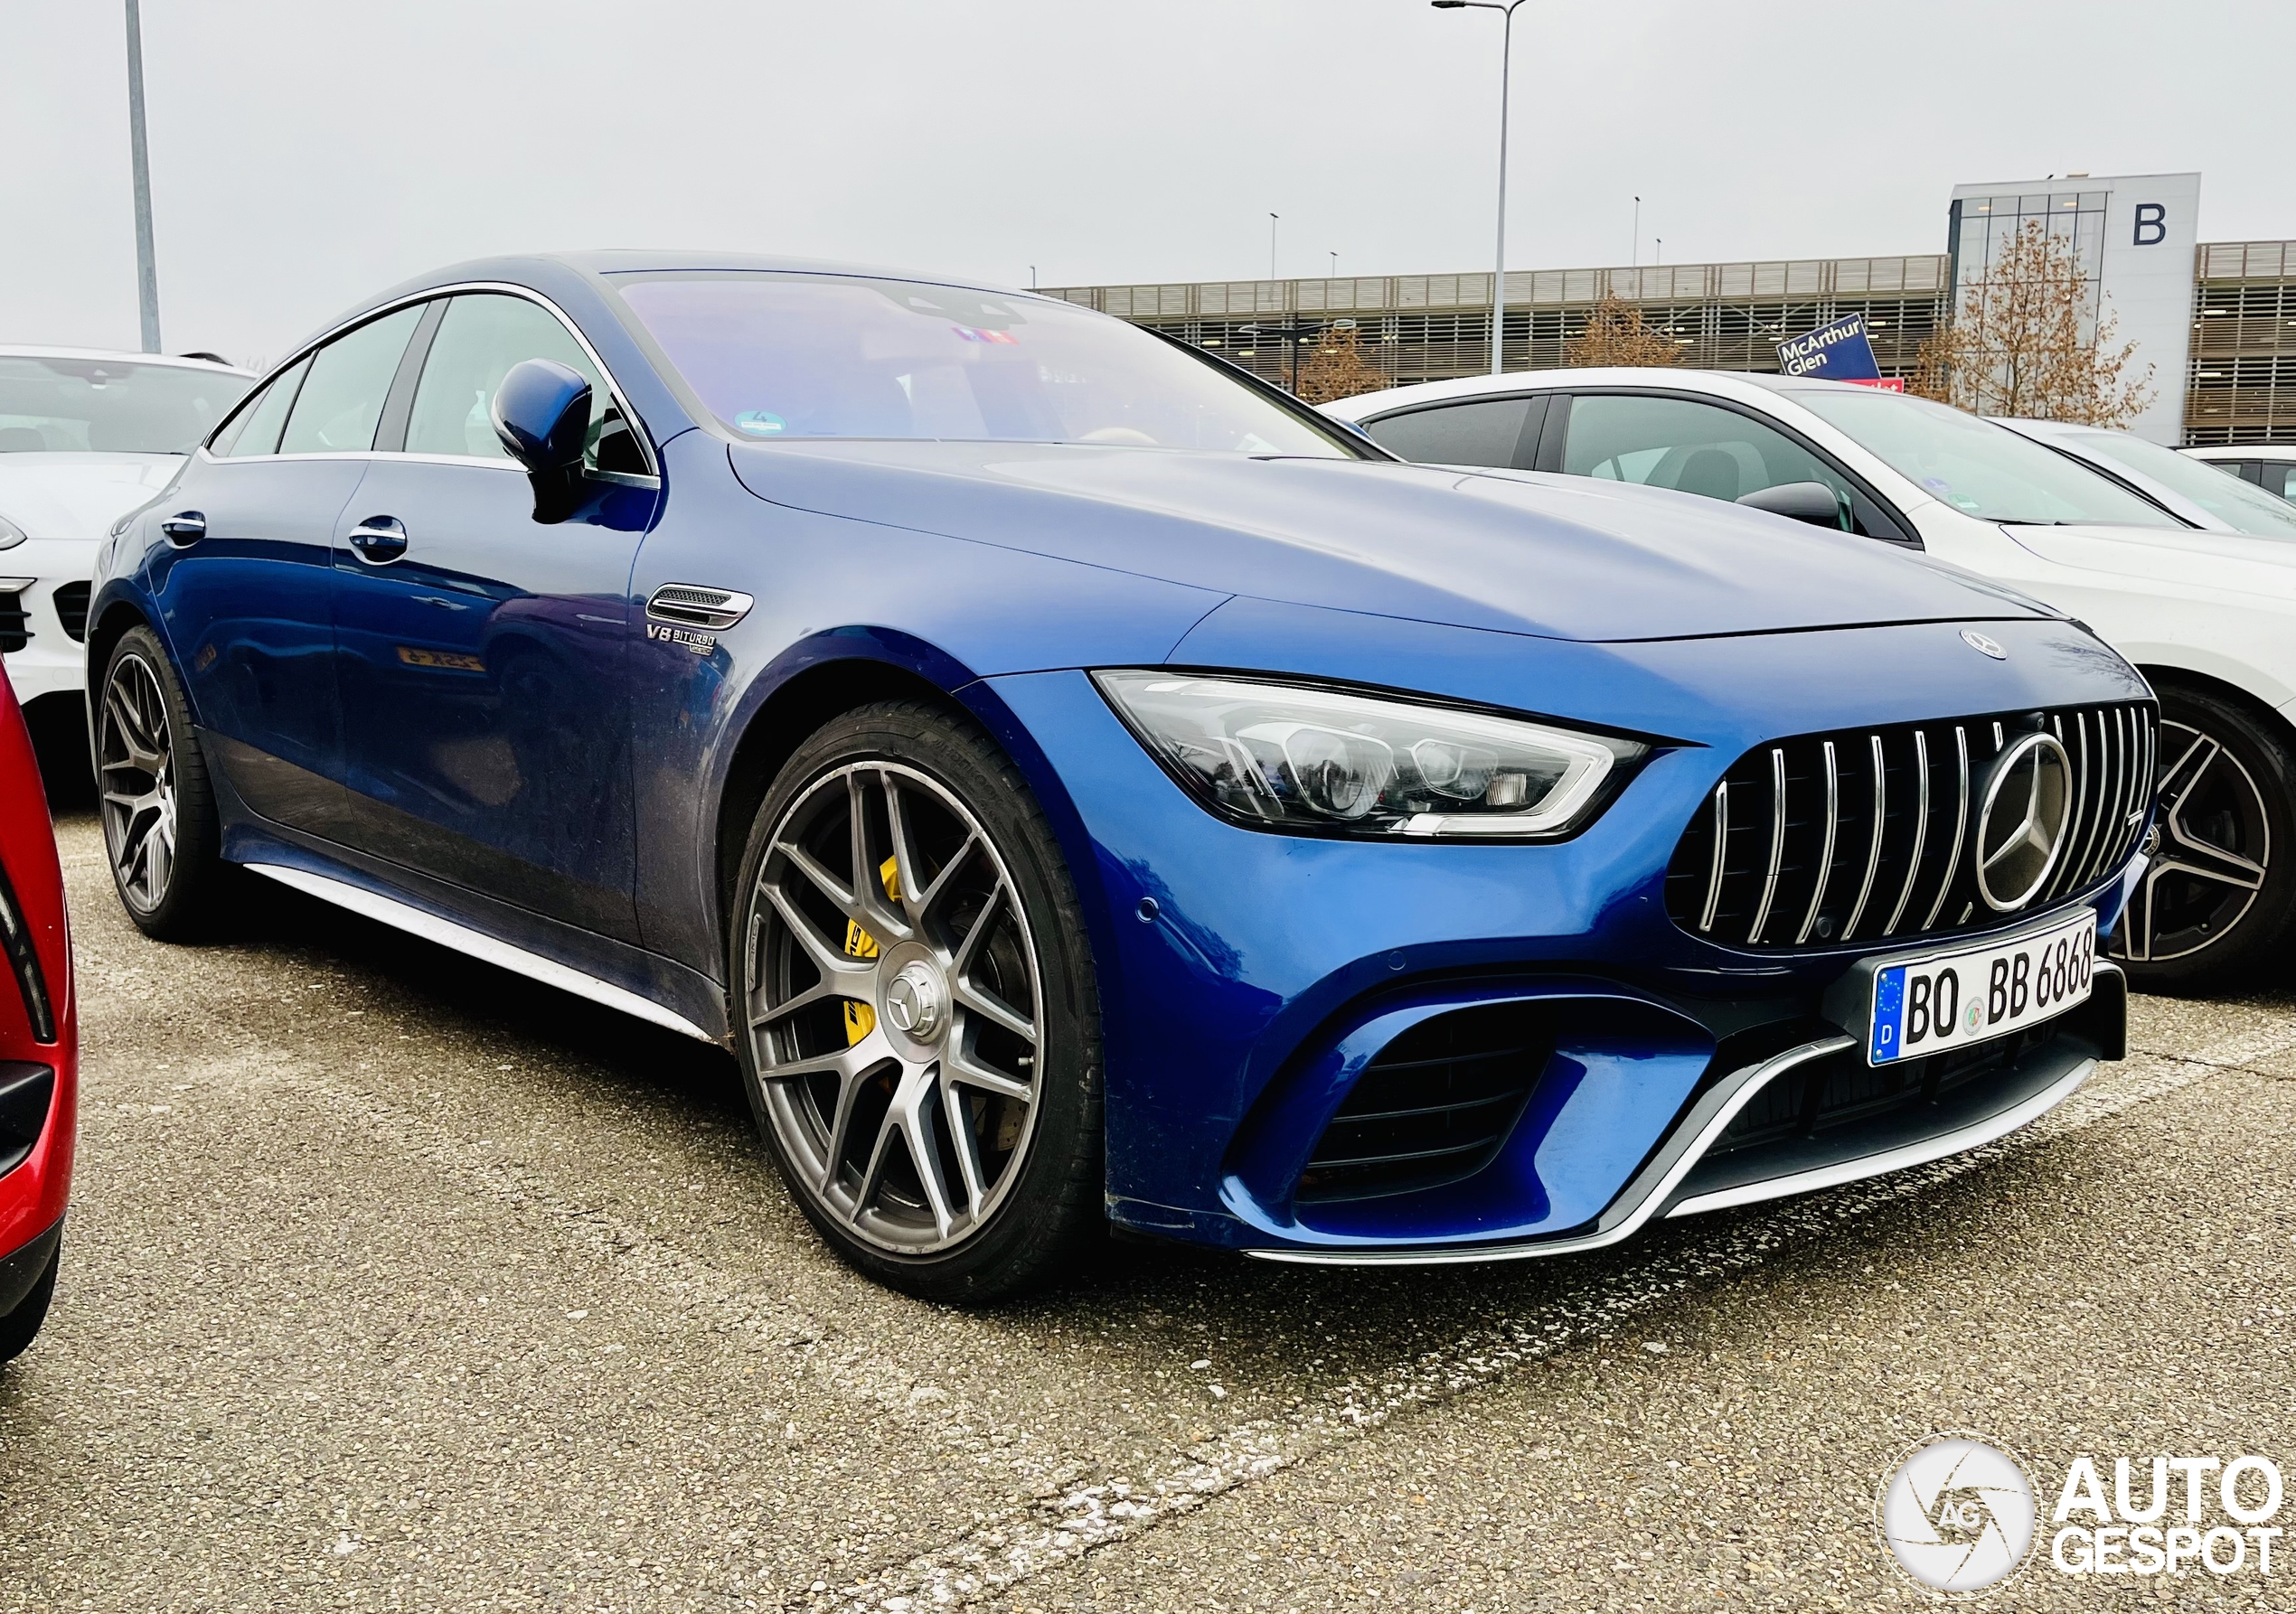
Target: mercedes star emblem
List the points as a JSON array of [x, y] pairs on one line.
[[1979, 641], [2021, 826]]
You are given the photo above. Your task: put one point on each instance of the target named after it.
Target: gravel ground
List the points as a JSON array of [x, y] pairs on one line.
[[395, 1281]]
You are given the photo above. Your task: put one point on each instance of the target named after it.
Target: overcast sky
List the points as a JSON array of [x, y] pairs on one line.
[[306, 153]]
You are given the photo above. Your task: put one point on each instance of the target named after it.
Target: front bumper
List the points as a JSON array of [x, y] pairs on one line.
[[47, 582]]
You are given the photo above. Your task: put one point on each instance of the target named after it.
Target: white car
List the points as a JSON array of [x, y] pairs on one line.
[[86, 435], [2271, 466], [2197, 494], [2210, 616]]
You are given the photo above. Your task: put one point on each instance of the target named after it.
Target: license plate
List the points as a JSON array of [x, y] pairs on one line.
[[1952, 999]]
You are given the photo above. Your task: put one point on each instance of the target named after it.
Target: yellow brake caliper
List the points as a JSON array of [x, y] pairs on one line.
[[861, 1020]]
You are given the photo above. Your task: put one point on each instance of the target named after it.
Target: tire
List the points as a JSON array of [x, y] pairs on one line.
[[922, 1044], [2219, 891], [162, 836], [21, 1326]]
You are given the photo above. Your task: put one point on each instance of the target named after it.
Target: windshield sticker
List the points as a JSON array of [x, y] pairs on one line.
[[974, 334], [760, 422]]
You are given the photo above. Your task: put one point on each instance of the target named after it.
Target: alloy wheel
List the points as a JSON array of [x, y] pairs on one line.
[[2212, 849], [136, 774], [895, 1004]]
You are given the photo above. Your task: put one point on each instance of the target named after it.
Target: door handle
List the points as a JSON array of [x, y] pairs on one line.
[[184, 527], [380, 539]]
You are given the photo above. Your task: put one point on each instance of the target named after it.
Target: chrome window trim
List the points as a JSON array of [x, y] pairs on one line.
[[620, 399]]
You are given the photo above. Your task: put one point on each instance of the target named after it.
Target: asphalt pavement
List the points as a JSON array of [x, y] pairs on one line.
[[394, 1281]]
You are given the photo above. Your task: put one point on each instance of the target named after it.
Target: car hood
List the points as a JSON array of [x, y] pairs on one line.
[[2255, 569], [1563, 557], [79, 495]]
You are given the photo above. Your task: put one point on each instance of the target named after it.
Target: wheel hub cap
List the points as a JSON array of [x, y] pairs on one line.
[[916, 1002]]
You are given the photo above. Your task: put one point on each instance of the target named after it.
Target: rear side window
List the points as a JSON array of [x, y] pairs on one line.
[[483, 335], [257, 428], [342, 398], [1484, 431]]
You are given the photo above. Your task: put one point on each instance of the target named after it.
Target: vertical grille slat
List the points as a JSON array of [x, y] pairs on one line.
[[1873, 848], [1836, 851]]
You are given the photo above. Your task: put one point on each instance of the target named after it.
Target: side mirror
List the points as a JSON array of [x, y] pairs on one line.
[[1811, 501], [542, 413]]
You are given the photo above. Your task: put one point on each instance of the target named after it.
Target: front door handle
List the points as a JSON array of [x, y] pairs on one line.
[[184, 527], [380, 539]]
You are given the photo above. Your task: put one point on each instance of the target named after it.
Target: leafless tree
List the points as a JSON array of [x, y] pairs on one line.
[[1615, 335], [1337, 367], [2023, 343]]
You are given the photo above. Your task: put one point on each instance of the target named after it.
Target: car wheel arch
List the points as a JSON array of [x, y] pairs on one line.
[[2272, 719]]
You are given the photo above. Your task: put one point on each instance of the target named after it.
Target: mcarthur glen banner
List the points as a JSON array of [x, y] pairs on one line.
[[1837, 352]]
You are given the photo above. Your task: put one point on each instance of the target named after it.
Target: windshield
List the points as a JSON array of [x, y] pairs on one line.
[[115, 406], [779, 356], [2243, 506], [1981, 469]]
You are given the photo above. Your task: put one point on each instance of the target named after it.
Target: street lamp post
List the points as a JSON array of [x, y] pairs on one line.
[[1506, 8], [146, 269]]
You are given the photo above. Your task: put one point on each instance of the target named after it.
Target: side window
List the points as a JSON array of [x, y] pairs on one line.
[[342, 397], [2247, 470], [1486, 431], [1701, 449], [2280, 477], [483, 335], [256, 428]]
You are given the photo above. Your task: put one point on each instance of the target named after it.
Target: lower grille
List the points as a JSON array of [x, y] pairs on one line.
[[1433, 1107], [1843, 1088], [72, 609], [1859, 836], [15, 623]]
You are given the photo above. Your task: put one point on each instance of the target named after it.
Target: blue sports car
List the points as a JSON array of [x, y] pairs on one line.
[[1084, 787]]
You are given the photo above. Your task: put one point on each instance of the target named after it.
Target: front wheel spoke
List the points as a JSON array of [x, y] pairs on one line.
[[971, 1073], [840, 897], [2214, 865], [128, 723], [871, 910], [917, 1123], [832, 963], [961, 959], [847, 1064], [821, 991], [928, 900], [991, 1009], [968, 1149], [2183, 844]]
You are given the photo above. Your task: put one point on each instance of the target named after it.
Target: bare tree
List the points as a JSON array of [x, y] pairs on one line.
[[1337, 367], [1615, 335], [2023, 343]]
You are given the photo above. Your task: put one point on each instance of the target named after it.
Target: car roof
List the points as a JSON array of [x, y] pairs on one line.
[[627, 260], [1722, 383], [16, 350], [2244, 451]]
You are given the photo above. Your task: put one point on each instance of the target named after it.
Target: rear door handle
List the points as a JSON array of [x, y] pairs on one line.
[[184, 527], [380, 539]]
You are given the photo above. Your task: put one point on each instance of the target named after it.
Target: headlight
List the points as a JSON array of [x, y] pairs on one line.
[[11, 535], [1281, 755]]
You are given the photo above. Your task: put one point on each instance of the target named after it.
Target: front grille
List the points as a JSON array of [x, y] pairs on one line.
[[1871, 833], [1432, 1106], [15, 623], [72, 609]]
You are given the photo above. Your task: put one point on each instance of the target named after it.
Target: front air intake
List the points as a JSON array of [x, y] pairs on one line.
[[1872, 834]]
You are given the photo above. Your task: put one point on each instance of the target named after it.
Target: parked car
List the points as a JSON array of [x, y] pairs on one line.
[[39, 1043], [2197, 494], [1083, 786], [85, 436], [2208, 616], [2271, 466]]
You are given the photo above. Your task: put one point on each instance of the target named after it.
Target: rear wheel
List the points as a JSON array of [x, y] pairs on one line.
[[2219, 888], [916, 1007], [161, 832]]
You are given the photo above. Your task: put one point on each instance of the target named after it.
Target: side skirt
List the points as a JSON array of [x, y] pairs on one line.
[[462, 939]]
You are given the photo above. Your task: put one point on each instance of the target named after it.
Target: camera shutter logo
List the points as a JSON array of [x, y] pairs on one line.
[[2021, 827], [1958, 1514]]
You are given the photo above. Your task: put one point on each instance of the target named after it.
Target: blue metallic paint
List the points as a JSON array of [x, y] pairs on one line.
[[994, 573]]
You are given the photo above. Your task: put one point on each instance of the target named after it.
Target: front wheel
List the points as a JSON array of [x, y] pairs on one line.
[[2219, 888], [162, 835], [916, 1010]]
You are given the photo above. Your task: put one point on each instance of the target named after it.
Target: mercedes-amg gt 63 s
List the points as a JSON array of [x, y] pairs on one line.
[[1084, 787]]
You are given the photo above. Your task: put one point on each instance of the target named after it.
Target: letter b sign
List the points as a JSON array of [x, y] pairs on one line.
[[2152, 224]]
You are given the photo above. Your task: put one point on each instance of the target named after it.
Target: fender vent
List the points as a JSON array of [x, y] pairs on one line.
[[693, 605], [15, 621], [71, 609]]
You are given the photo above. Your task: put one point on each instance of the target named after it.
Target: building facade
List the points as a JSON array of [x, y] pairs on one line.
[[2237, 371]]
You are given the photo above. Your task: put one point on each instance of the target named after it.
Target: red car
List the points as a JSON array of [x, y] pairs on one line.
[[39, 1041]]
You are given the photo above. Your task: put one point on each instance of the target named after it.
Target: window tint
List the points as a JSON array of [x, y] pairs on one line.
[[257, 428], [1977, 468], [483, 335], [1691, 447], [342, 398], [1488, 431]]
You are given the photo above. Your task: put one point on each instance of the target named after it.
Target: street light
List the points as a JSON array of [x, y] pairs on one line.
[[146, 270], [1506, 8]]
